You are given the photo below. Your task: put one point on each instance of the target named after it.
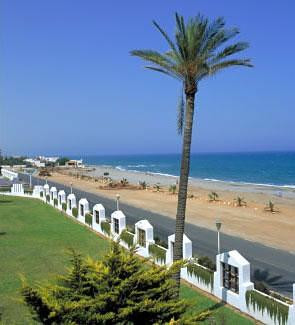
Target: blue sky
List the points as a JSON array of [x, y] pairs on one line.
[[69, 85]]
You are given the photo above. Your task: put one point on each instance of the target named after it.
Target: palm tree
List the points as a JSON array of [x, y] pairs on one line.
[[270, 207], [240, 201], [213, 196], [196, 53], [172, 188]]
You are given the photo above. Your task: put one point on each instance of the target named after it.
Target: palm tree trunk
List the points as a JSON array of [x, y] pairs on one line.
[[183, 181]]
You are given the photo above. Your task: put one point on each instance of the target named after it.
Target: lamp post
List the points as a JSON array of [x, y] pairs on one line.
[[71, 188], [30, 180], [118, 199], [218, 226], [46, 179]]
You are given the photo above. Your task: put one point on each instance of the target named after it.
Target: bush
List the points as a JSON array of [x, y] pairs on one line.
[[157, 252], [28, 191], [207, 262], [143, 185], [83, 293], [47, 198], [55, 202], [161, 242], [75, 212], [127, 238], [106, 227], [64, 206], [88, 219], [41, 194]]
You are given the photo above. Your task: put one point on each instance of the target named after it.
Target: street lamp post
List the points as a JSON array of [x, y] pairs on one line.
[[118, 199], [30, 180], [218, 226], [71, 188]]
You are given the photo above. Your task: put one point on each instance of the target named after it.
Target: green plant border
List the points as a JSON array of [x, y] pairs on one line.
[[277, 311], [202, 274], [75, 212], [157, 252], [127, 237], [106, 227], [64, 206], [88, 219]]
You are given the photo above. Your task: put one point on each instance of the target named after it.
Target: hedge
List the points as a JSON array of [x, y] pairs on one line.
[[47, 198], [41, 194], [277, 311], [55, 202], [88, 219], [64, 206], [127, 238], [75, 212], [106, 227], [205, 275], [157, 252]]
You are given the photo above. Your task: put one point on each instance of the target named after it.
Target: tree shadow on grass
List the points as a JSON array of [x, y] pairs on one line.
[[2, 233]]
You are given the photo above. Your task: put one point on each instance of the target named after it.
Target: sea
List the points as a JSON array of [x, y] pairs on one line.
[[259, 168]]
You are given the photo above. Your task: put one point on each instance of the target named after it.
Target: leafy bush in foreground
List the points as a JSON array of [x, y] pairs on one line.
[[116, 290]]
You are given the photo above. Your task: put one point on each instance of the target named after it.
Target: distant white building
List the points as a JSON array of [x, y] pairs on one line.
[[75, 163], [35, 162]]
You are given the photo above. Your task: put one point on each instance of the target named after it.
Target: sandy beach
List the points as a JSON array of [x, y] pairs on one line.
[[251, 222]]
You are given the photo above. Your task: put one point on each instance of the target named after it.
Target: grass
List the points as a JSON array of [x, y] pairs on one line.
[[34, 240]]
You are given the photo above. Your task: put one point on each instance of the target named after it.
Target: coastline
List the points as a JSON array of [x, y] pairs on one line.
[[251, 222], [135, 176]]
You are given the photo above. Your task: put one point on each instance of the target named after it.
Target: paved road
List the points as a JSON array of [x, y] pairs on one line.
[[273, 266]]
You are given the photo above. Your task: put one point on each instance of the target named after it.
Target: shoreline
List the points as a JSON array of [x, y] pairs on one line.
[[287, 191]]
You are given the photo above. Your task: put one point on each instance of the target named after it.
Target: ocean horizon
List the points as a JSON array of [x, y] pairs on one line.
[[257, 168]]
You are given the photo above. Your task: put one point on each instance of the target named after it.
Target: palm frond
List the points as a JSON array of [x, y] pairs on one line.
[[229, 50], [229, 63], [167, 38]]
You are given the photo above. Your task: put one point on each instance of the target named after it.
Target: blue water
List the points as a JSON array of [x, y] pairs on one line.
[[276, 168]]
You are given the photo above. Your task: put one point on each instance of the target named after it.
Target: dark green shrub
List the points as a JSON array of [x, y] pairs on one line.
[[47, 198], [127, 238], [106, 227], [88, 219], [41, 194], [64, 206], [55, 202], [207, 262], [28, 191], [75, 212]]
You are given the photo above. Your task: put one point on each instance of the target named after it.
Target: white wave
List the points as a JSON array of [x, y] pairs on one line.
[[291, 186]]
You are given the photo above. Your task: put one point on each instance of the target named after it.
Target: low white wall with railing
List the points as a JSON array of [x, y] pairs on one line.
[[199, 281], [9, 174]]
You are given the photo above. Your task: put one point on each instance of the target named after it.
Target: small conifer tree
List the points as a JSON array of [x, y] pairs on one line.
[[119, 289]]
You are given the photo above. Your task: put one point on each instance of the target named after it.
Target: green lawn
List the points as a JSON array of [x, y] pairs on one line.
[[34, 239]]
